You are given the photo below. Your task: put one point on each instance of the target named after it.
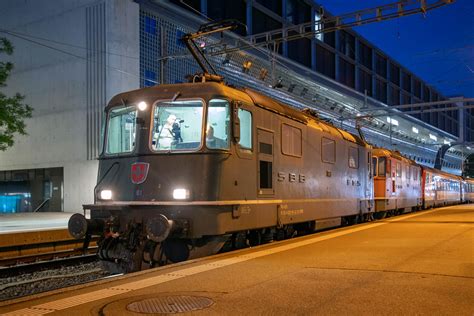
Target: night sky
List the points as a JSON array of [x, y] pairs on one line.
[[438, 48]]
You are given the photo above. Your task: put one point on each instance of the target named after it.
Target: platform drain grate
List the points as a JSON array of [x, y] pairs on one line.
[[170, 304]]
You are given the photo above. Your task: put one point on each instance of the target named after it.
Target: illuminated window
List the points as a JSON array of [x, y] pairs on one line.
[[245, 118], [177, 125], [218, 124], [399, 170], [121, 130]]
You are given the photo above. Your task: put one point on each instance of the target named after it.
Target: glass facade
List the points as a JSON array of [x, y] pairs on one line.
[[340, 55]]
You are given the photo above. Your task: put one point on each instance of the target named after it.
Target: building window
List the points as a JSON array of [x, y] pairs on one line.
[[235, 9], [394, 96], [347, 44], [406, 81], [426, 94], [346, 73], [297, 11], [328, 150], [353, 157], [150, 78], [365, 82], [150, 25], [417, 88], [262, 23], [291, 140], [381, 90], [325, 63], [381, 65], [273, 5], [365, 55], [395, 74]]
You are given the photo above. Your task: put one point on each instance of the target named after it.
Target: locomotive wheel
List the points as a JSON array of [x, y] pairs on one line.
[[176, 250], [239, 240], [380, 215], [255, 238]]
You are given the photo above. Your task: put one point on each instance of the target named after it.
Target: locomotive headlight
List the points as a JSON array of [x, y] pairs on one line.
[[180, 194], [142, 106], [106, 195]]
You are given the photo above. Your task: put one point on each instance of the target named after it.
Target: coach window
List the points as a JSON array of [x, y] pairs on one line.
[[121, 130], [291, 142], [245, 118], [218, 124], [399, 170], [328, 150], [353, 157], [408, 172]]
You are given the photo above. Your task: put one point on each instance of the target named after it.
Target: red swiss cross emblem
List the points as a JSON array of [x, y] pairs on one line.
[[139, 172]]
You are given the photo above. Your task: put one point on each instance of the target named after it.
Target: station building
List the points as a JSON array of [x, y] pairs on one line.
[[71, 57]]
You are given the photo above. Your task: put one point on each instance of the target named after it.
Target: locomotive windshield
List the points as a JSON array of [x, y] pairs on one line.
[[177, 125], [121, 130], [218, 124]]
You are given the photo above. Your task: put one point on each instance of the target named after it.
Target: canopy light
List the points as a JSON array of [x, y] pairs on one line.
[[433, 137], [414, 130], [392, 121]]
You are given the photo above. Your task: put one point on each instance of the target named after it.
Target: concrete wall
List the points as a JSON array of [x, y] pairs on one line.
[[57, 68]]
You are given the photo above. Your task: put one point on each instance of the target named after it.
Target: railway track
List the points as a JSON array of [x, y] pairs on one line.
[[36, 247]]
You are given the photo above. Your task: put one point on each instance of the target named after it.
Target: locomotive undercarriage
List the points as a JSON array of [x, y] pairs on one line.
[[132, 243]]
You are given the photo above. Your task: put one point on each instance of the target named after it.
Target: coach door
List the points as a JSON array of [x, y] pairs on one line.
[[265, 162]]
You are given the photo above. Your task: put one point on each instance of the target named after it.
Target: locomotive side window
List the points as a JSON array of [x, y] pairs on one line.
[[177, 125], [291, 142], [353, 157], [121, 130], [399, 170], [328, 150], [382, 164], [374, 165], [245, 118], [218, 124]]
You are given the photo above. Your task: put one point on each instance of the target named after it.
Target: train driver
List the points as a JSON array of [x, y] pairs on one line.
[[212, 141], [166, 137]]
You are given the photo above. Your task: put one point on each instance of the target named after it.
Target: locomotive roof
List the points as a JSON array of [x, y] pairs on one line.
[[393, 154], [212, 89]]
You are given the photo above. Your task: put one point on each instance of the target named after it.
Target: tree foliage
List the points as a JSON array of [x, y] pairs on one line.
[[13, 111]]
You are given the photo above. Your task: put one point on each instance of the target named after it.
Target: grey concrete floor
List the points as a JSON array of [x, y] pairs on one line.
[[421, 263]]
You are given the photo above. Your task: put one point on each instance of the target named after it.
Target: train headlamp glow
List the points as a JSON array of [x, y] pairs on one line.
[[142, 106], [106, 195], [180, 194]]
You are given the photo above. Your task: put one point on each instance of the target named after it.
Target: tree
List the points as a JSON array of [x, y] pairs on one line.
[[12, 110]]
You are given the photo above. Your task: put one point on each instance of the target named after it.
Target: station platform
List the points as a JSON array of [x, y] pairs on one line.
[[419, 263], [28, 222]]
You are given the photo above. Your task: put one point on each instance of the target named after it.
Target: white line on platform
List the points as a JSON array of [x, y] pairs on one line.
[[62, 304]]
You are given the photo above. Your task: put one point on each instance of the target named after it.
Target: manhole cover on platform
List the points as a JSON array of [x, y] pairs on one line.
[[170, 304]]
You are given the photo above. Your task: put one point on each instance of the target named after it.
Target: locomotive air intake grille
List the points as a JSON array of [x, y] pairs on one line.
[[170, 304]]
